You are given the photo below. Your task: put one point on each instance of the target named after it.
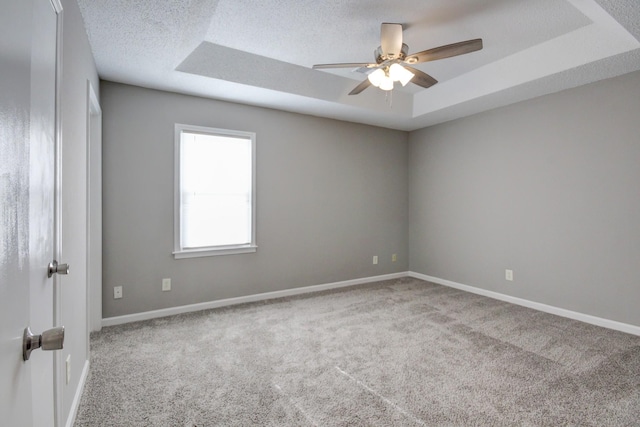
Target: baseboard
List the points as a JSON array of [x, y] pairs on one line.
[[71, 418], [598, 321], [136, 317]]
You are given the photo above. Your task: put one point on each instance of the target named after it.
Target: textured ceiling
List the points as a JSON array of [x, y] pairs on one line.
[[261, 53]]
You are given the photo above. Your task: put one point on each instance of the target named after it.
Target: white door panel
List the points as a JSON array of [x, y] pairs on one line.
[[41, 201], [15, 87], [28, 31]]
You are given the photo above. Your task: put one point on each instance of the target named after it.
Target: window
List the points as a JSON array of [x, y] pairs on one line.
[[214, 192]]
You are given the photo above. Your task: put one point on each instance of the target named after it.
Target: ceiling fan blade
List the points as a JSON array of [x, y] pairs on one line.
[[445, 51], [344, 65], [362, 86], [421, 78], [391, 39]]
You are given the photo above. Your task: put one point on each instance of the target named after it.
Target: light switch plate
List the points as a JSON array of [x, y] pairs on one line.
[[68, 367]]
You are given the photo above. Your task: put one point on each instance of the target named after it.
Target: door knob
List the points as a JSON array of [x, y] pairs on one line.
[[54, 267], [51, 339]]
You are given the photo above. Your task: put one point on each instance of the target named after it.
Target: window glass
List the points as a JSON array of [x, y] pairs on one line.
[[215, 200]]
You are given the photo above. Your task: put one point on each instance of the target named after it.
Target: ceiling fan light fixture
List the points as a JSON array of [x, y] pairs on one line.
[[376, 77], [400, 74], [387, 83], [382, 79], [391, 55]]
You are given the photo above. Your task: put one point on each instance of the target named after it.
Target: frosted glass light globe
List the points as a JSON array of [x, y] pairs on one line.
[[376, 77], [400, 74]]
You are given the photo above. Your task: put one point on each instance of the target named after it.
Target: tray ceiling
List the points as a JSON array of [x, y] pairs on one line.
[[261, 53]]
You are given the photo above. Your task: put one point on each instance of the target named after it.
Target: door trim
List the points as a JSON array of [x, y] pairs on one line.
[[58, 365], [94, 192], [75, 404]]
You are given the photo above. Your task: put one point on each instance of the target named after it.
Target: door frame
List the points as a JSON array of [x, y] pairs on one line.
[[58, 368], [94, 224]]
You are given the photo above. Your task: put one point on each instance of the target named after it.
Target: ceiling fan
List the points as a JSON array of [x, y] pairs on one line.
[[394, 64]]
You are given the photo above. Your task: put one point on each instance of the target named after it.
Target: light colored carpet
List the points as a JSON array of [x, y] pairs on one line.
[[396, 353]]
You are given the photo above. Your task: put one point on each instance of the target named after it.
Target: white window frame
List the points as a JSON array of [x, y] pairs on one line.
[[179, 252]]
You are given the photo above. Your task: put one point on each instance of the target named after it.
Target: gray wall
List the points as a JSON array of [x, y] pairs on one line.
[[548, 187], [330, 195], [78, 67]]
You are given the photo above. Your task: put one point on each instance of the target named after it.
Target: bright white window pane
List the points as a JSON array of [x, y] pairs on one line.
[[215, 190]]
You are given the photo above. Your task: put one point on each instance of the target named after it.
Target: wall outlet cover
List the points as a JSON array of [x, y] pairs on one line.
[[117, 292], [508, 275]]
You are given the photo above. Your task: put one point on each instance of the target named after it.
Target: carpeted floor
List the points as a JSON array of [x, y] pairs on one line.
[[396, 353]]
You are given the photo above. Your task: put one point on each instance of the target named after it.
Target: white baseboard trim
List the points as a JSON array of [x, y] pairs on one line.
[[71, 419], [598, 321], [146, 315]]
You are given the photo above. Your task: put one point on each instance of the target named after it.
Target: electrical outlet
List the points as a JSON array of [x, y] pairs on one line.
[[117, 292], [375, 259], [394, 258], [508, 275], [166, 285], [68, 366]]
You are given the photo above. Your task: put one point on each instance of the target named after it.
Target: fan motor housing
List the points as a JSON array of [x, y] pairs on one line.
[[380, 57]]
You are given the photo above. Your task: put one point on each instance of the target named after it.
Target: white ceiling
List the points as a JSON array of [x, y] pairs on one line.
[[261, 53]]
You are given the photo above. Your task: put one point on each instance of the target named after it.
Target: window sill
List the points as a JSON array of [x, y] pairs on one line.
[[205, 252]]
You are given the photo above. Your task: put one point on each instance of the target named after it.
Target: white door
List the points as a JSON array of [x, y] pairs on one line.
[[28, 34]]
